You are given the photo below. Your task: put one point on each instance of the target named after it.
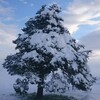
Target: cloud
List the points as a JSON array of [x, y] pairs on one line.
[[81, 12], [7, 34], [94, 63], [8, 30], [6, 12], [92, 42], [31, 4], [25, 2], [86, 12], [3, 2]]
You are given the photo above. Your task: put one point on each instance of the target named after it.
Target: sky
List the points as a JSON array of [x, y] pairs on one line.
[[81, 18]]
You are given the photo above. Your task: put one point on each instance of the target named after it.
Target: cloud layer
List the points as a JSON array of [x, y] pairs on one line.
[[7, 34], [81, 12], [92, 42], [8, 30]]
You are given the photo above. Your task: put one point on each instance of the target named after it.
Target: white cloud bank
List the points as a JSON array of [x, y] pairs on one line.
[[92, 42], [81, 12], [8, 32]]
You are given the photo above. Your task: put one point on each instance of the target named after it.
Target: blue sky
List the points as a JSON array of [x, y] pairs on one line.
[[19, 11], [81, 17], [22, 10]]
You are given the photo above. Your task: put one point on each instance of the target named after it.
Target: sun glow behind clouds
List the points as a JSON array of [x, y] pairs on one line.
[[96, 54], [81, 12]]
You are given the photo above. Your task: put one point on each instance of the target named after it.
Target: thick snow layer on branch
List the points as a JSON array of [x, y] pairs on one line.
[[74, 65], [57, 44]]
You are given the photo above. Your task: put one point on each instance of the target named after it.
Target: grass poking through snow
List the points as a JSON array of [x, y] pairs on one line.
[[51, 97]]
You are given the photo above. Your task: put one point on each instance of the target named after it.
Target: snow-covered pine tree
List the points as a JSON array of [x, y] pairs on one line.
[[47, 50]]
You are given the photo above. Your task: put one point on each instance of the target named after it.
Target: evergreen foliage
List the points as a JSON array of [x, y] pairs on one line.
[[21, 86]]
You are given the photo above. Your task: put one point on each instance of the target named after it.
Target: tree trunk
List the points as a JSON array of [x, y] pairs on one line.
[[39, 95]]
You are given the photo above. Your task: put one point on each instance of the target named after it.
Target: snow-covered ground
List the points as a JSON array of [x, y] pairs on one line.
[[93, 95], [7, 92]]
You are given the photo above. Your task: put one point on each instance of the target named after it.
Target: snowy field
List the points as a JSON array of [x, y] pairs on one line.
[[93, 95], [7, 92]]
